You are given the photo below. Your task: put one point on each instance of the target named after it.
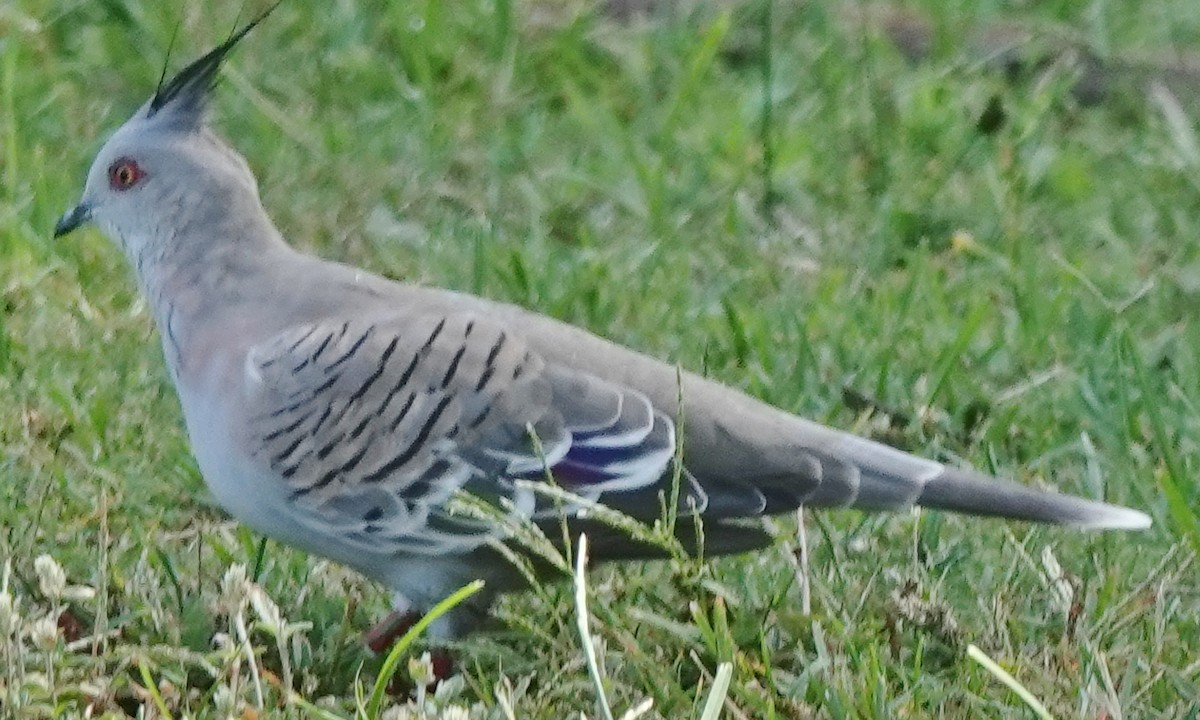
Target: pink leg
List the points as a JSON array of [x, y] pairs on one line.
[[381, 637], [443, 665]]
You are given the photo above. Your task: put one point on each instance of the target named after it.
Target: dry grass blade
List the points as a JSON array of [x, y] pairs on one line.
[[1013, 684], [717, 693]]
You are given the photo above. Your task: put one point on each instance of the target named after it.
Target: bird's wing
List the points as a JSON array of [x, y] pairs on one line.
[[373, 426], [735, 446]]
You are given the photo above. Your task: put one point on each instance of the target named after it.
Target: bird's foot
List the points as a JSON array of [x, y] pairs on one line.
[[380, 639]]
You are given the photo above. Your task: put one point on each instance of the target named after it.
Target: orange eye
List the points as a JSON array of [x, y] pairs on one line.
[[124, 174]]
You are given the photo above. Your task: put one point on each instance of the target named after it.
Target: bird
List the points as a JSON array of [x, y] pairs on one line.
[[343, 413]]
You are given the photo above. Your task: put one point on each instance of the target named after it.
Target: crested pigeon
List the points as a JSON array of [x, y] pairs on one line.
[[340, 412]]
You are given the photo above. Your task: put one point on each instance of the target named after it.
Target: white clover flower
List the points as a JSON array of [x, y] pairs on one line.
[[400, 712], [44, 633], [234, 590], [420, 669], [449, 689], [52, 579]]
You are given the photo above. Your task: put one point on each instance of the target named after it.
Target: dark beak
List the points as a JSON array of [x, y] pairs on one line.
[[72, 219]]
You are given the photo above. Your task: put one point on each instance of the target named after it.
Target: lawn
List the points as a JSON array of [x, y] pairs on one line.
[[966, 258]]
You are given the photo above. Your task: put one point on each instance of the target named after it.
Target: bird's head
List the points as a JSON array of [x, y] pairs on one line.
[[164, 168]]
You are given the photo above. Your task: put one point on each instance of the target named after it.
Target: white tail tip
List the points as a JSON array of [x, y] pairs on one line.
[[1119, 518]]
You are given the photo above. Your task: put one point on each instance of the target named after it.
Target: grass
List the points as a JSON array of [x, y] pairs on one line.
[[1021, 297]]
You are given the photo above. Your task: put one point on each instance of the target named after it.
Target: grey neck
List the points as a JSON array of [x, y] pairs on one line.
[[187, 276]]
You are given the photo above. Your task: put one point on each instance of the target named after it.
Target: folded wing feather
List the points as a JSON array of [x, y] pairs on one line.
[[373, 426]]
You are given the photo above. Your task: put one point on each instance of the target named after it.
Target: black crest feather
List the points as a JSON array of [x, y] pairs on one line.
[[191, 86]]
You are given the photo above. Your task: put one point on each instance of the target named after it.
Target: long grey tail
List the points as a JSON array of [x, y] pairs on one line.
[[863, 474], [964, 491]]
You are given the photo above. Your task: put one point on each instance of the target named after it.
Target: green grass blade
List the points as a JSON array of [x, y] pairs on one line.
[[392, 663], [152, 689], [1171, 474]]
